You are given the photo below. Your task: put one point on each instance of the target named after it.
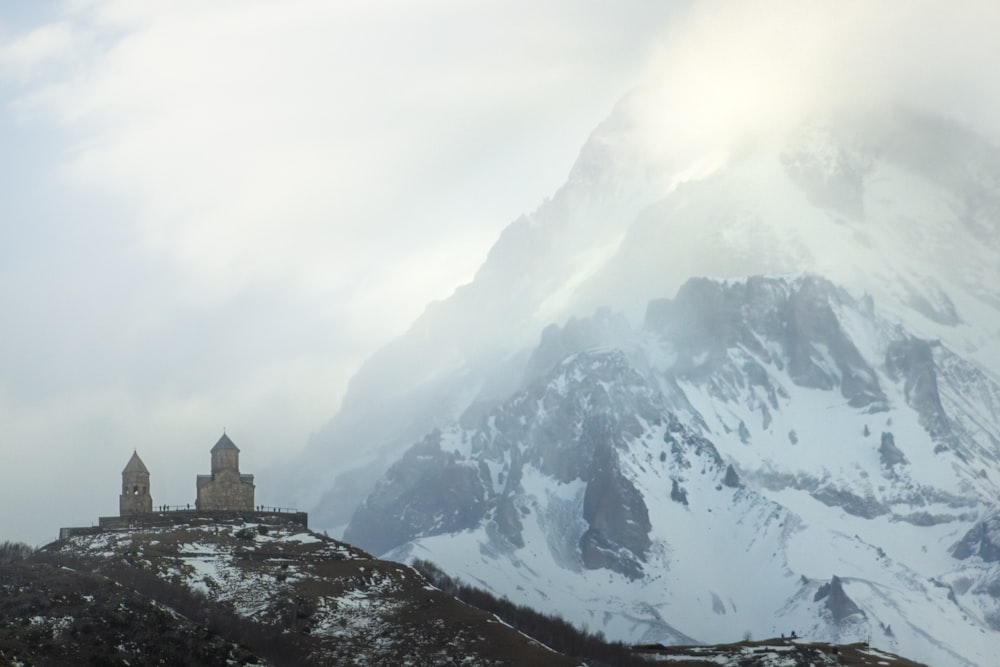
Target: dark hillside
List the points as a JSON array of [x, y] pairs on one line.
[[53, 615], [296, 597], [777, 651], [551, 630]]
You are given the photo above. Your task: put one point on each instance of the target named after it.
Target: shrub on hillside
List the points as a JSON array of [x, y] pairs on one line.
[[15, 551], [552, 631]]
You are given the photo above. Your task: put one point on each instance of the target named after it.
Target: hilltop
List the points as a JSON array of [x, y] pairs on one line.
[[252, 592]]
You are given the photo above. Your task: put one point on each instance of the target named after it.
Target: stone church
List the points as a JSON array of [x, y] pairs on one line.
[[226, 488], [224, 494]]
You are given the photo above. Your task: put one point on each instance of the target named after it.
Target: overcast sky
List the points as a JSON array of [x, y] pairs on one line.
[[212, 211]]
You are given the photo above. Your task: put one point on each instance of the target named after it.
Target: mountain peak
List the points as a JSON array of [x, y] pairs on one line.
[[831, 342]]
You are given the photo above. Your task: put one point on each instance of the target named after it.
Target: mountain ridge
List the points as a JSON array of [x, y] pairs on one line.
[[717, 409], [835, 337], [627, 228]]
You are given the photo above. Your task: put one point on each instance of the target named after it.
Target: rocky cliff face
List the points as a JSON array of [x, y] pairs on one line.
[[837, 602], [768, 322], [982, 540], [717, 441], [567, 428], [440, 492]]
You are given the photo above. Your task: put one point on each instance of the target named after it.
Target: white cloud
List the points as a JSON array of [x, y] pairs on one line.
[[255, 194], [228, 205], [279, 141], [729, 68], [23, 56]]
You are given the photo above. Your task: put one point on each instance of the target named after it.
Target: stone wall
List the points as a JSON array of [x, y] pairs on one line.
[[194, 517], [271, 517], [225, 490]]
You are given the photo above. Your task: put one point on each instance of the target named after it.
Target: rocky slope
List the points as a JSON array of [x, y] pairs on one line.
[[779, 427], [774, 653], [53, 615], [320, 601]]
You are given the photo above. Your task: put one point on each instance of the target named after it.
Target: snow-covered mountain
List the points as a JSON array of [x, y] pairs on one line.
[[766, 455], [808, 440], [895, 204]]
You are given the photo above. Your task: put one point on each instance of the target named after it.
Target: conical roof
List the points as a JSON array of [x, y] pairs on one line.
[[135, 464], [224, 443]]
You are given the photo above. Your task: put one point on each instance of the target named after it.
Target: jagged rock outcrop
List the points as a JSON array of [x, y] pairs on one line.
[[569, 427], [982, 540], [427, 491], [889, 454], [912, 361], [707, 319], [605, 327], [839, 604], [864, 506], [618, 534]]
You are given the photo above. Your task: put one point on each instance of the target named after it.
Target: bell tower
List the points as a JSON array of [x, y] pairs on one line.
[[135, 498]]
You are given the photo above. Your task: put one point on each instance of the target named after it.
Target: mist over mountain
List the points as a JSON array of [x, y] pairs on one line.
[[735, 370], [740, 372], [779, 359], [900, 205]]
